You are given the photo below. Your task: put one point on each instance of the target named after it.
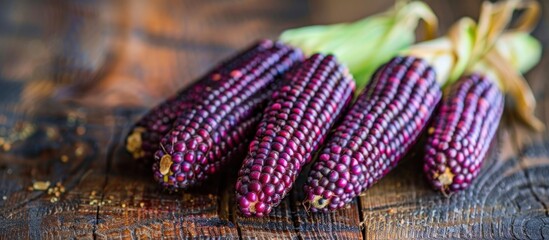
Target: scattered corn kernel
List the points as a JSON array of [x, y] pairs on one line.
[[41, 185]]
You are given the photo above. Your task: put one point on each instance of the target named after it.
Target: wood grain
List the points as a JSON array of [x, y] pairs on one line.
[[74, 76], [70, 156]]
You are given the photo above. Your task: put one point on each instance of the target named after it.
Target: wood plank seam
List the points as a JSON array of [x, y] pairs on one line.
[[116, 137], [362, 229], [293, 212]]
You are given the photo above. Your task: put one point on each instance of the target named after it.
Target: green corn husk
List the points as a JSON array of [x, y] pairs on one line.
[[488, 48], [368, 43], [521, 49]]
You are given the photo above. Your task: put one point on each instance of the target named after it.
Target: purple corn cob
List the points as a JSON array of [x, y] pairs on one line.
[[375, 134], [461, 132], [293, 127], [186, 170], [144, 136], [205, 135], [142, 141]]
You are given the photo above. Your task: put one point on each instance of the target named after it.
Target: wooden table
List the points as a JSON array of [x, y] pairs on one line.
[[75, 75]]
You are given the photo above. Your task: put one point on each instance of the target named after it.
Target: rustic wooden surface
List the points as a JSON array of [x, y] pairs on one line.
[[75, 75]]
